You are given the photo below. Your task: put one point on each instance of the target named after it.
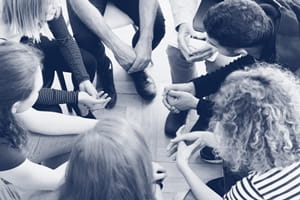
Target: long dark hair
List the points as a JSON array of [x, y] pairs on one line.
[[18, 64], [111, 161]]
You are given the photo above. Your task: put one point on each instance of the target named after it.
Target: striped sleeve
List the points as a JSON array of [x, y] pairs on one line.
[[282, 184], [275, 184], [49, 96], [243, 190]]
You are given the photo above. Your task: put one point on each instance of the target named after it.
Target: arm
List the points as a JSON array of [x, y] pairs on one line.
[[143, 48], [71, 53], [48, 96], [93, 19], [210, 83], [68, 48], [50, 123], [29, 175]]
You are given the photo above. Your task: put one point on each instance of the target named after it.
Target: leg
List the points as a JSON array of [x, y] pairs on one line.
[[181, 72], [144, 83], [42, 148], [88, 41]]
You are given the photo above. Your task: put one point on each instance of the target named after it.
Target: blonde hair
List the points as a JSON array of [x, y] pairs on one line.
[[111, 161], [26, 16], [258, 111]]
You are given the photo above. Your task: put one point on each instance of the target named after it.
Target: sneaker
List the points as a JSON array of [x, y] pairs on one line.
[[144, 85], [208, 156], [105, 82], [173, 122]]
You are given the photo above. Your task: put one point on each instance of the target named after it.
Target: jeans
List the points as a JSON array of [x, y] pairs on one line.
[[87, 40]]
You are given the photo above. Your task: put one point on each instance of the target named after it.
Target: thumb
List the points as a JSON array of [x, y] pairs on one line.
[[174, 93]]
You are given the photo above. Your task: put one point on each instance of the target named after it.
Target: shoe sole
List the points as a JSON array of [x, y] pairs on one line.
[[212, 161]]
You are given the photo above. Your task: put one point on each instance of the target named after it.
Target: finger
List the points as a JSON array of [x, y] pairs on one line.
[[174, 93], [197, 145], [199, 35], [184, 137], [166, 103], [172, 150], [100, 94], [160, 176], [202, 56], [183, 44]]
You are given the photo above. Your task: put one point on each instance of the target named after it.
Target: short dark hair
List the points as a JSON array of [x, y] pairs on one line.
[[238, 23]]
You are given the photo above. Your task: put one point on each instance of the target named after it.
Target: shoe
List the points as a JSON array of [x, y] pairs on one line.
[[208, 156], [174, 122], [105, 82], [144, 85]]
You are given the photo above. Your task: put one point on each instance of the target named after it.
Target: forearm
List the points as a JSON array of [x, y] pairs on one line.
[[198, 187], [49, 96], [147, 12], [50, 123], [93, 19], [68, 48]]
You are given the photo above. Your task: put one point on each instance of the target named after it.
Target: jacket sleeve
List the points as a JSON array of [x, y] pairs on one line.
[[210, 83], [68, 48]]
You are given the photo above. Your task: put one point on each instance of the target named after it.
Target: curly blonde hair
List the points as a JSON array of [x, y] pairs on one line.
[[258, 112]]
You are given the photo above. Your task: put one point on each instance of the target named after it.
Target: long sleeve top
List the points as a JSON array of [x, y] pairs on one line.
[[210, 83], [68, 48]]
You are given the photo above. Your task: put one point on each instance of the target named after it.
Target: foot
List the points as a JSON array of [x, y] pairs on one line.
[[105, 82], [174, 122], [208, 156], [144, 85]]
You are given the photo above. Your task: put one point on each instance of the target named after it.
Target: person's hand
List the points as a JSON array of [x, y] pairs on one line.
[[159, 172], [185, 87], [201, 50], [185, 144], [143, 57], [185, 32], [182, 100], [125, 55], [87, 86], [87, 102]]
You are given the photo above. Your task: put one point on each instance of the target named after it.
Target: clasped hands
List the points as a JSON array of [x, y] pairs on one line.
[[179, 97], [193, 44], [89, 99]]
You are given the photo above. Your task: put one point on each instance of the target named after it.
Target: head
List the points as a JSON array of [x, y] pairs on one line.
[[20, 80], [111, 161], [28, 16], [256, 118], [235, 26]]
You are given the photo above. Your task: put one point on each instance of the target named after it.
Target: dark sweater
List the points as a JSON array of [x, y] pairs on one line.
[[210, 83], [68, 48]]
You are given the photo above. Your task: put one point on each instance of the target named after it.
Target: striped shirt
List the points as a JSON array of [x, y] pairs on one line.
[[275, 184]]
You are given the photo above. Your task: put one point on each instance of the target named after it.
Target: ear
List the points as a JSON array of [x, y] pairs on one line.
[[242, 52], [15, 107]]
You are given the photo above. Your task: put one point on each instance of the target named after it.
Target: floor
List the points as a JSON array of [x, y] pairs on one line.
[[151, 116]]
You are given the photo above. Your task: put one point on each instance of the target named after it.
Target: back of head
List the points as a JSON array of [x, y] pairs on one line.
[[257, 112], [238, 24], [111, 161], [18, 64], [26, 16]]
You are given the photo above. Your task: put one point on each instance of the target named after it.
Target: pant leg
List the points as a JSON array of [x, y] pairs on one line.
[[181, 70], [41, 147], [131, 8], [54, 60], [86, 39]]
